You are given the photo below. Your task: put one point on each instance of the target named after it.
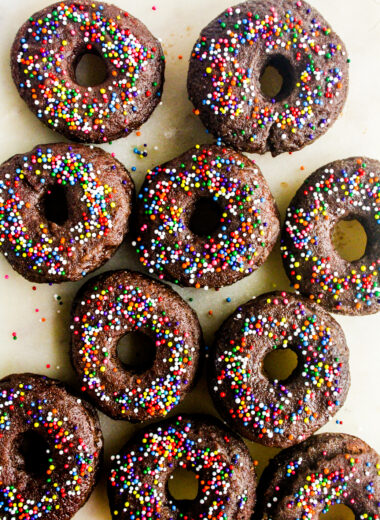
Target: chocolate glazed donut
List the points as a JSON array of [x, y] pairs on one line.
[[213, 185], [233, 52], [65, 210], [51, 448], [138, 481], [305, 481], [47, 49], [120, 302], [342, 190], [275, 412]]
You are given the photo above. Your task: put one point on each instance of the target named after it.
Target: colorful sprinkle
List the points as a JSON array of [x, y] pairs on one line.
[[241, 237], [272, 409], [335, 482], [135, 475], [43, 55], [69, 456], [121, 309], [327, 197], [43, 251], [229, 74]]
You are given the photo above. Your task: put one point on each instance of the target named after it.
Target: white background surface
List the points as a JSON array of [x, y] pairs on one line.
[[43, 338]]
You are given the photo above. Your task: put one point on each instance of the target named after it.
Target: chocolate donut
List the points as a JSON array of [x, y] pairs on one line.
[[245, 213], [64, 211], [305, 481], [228, 62], [342, 190], [114, 304], [51, 447], [47, 50], [138, 481], [272, 412]]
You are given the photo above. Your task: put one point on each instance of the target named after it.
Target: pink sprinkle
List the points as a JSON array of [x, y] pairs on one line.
[[6, 276], [37, 310], [154, 8]]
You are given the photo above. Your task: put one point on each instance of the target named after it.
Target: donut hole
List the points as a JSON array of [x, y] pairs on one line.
[[277, 78], [183, 485], [90, 70], [54, 204], [32, 454], [206, 217], [349, 239], [338, 512], [136, 351], [280, 364]]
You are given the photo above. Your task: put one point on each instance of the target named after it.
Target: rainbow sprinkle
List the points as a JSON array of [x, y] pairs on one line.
[[335, 482], [238, 243], [333, 193], [121, 308], [271, 409], [71, 462], [41, 249], [233, 90], [45, 55], [135, 474]]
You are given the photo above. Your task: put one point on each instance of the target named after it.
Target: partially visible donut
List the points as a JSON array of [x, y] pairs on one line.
[[64, 210], [272, 412], [51, 449], [47, 49], [138, 481], [247, 218], [229, 59], [342, 190], [305, 481], [114, 304]]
